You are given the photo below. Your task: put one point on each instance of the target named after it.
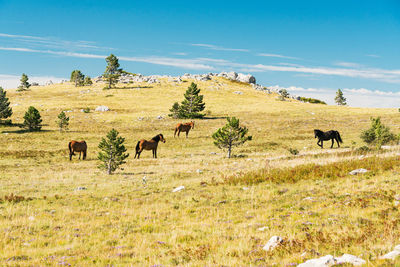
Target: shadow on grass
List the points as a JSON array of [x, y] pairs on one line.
[[214, 118], [22, 131], [139, 173], [128, 87]]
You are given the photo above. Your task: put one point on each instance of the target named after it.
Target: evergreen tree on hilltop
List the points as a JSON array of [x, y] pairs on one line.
[[24, 83], [112, 72], [340, 99], [88, 81], [32, 120], [191, 106], [77, 77], [5, 109]]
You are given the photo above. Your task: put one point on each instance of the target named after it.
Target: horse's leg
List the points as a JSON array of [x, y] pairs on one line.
[[70, 155], [319, 141], [333, 141], [322, 143], [155, 152], [337, 141], [187, 132]]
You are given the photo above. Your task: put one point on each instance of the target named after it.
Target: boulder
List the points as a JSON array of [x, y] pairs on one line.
[[273, 242], [179, 188], [392, 254], [327, 260], [246, 78], [102, 108], [351, 259], [358, 171], [232, 75]]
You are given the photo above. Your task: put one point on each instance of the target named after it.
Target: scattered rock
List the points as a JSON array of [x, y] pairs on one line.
[[179, 188], [31, 218], [361, 157], [160, 117], [358, 171], [327, 260], [199, 171], [246, 78], [15, 105], [308, 198], [245, 188], [386, 147], [262, 229], [140, 118], [238, 92], [392, 255], [351, 259], [273, 242], [102, 108], [81, 188]]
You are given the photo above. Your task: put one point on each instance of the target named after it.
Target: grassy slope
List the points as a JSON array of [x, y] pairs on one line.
[[118, 220]]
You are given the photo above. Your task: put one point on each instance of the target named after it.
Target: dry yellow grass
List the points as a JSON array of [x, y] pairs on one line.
[[119, 220]]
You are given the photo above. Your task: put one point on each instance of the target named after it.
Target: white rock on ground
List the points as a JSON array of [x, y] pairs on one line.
[[347, 258], [358, 171], [392, 254], [102, 108], [179, 188], [272, 243], [324, 261]]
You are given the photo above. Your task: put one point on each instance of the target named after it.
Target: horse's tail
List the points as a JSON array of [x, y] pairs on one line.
[[70, 150], [176, 129], [137, 146], [338, 136]]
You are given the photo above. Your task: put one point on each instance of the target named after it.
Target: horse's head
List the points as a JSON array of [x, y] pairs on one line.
[[316, 133], [192, 124], [161, 138]]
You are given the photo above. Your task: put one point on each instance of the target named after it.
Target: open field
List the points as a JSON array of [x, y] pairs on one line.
[[118, 220]]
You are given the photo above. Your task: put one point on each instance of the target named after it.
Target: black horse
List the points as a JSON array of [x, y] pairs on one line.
[[325, 136]]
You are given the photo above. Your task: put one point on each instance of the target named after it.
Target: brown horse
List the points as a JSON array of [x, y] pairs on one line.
[[149, 145], [184, 127], [75, 146]]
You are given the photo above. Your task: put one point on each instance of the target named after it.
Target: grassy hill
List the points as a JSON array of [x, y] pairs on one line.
[[119, 219]]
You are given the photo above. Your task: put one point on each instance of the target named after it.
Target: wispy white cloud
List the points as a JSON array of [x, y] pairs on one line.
[[220, 48], [348, 64], [372, 55], [180, 54], [196, 64], [50, 42], [276, 55], [356, 97], [12, 81]]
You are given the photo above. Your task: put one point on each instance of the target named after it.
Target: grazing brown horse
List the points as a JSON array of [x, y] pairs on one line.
[[149, 145], [184, 127], [75, 146]]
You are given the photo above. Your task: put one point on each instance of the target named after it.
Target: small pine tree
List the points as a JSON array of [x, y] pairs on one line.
[[24, 83], [283, 93], [340, 99], [63, 121], [231, 135], [5, 109], [32, 120], [191, 106], [377, 134], [112, 72], [88, 81], [112, 153], [77, 77]]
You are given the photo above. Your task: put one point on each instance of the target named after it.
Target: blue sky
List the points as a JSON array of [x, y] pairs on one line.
[[311, 47]]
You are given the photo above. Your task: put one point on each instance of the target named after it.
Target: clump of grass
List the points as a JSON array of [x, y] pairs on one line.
[[15, 198], [313, 171], [293, 151], [86, 110]]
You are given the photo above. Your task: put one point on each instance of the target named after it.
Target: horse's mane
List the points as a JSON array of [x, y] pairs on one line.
[[317, 131], [157, 137]]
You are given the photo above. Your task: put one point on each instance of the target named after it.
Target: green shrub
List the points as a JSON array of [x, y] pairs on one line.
[[378, 134], [311, 100]]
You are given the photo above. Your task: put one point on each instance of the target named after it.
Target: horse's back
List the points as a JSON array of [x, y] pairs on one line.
[[78, 145]]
